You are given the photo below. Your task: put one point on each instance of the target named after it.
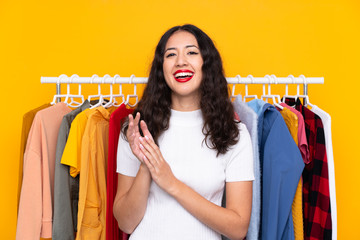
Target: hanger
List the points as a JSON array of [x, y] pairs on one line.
[[132, 95], [120, 95], [269, 95], [246, 89], [305, 97], [233, 97], [111, 96], [58, 95], [286, 90], [71, 97], [99, 95]]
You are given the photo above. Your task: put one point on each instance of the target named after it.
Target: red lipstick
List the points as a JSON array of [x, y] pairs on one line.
[[183, 79]]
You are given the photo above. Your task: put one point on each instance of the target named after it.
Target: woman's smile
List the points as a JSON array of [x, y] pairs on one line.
[[183, 75]]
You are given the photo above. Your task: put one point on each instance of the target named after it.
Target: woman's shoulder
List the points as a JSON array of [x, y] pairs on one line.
[[244, 134]]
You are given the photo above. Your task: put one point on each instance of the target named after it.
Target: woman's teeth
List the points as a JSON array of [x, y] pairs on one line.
[[184, 74]]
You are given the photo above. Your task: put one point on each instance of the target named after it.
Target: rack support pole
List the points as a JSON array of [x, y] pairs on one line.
[[305, 93], [58, 91]]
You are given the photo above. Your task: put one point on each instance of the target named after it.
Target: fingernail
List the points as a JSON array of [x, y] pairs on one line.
[[141, 146], [141, 139], [146, 137]]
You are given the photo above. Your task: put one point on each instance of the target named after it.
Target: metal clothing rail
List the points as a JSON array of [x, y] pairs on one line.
[[142, 80], [107, 79]]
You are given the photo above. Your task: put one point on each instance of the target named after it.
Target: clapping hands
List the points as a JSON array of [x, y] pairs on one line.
[[133, 135], [147, 152]]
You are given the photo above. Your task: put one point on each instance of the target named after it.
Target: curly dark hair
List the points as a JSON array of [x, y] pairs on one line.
[[220, 126]]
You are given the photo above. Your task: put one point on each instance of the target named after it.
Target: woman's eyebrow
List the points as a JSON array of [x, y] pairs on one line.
[[187, 46], [172, 48]]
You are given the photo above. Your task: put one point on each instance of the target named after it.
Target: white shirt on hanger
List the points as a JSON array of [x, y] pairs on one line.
[[326, 119]]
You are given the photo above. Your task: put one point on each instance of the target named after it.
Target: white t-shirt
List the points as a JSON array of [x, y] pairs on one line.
[[193, 163]]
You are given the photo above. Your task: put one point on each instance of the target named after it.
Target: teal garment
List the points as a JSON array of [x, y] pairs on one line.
[[281, 168], [66, 188]]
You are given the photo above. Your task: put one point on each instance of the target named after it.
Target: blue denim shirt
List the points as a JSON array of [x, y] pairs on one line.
[[281, 167]]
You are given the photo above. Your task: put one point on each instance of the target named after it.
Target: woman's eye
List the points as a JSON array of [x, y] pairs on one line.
[[192, 53], [170, 55]]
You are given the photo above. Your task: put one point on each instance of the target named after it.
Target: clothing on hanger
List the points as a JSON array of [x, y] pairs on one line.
[[117, 118], [302, 141], [26, 125], [72, 152], [326, 119], [66, 188], [249, 118], [281, 166], [35, 208], [92, 194], [317, 211], [292, 122], [99, 129], [304, 150], [71, 157]]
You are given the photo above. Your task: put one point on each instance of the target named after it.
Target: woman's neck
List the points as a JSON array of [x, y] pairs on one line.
[[185, 104]]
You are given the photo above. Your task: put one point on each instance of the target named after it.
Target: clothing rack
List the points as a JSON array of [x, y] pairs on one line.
[[107, 79]]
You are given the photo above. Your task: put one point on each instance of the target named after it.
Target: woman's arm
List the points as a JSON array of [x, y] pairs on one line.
[[132, 192], [131, 199], [232, 221]]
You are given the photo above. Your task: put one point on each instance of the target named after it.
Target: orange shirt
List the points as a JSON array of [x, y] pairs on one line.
[[72, 151], [92, 195]]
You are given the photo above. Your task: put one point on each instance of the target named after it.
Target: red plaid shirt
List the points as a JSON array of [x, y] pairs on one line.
[[316, 198], [116, 119]]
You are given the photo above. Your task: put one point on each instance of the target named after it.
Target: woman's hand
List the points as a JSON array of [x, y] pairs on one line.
[[160, 170], [133, 135]]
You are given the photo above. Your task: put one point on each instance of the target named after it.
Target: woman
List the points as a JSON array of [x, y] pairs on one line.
[[172, 177]]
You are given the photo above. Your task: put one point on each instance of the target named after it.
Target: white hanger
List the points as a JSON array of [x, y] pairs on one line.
[[120, 95], [286, 90], [73, 103], [306, 97], [111, 100], [58, 95], [99, 95], [246, 89], [132, 95], [233, 97], [269, 95]]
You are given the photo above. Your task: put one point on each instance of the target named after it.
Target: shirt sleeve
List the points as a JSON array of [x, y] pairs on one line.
[[240, 165], [72, 151], [127, 163]]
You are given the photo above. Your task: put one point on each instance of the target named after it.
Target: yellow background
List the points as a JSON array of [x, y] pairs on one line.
[[258, 37]]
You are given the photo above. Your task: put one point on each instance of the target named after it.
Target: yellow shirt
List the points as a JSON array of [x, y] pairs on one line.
[[92, 195], [72, 151], [26, 125], [291, 121]]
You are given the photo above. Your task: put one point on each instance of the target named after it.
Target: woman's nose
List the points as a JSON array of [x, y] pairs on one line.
[[181, 60]]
